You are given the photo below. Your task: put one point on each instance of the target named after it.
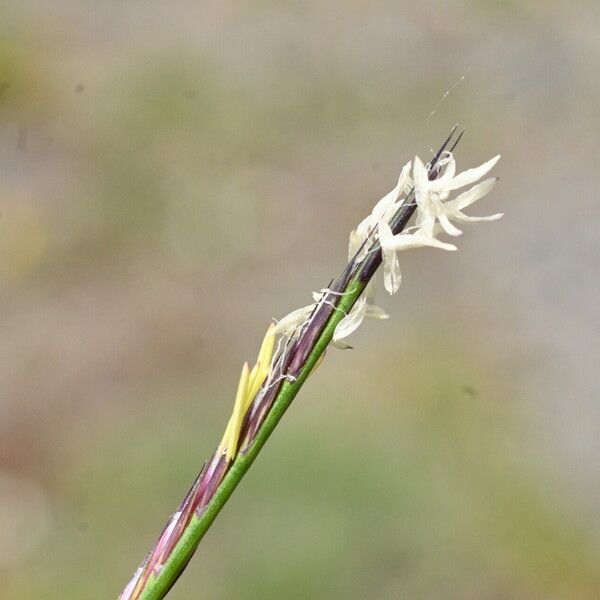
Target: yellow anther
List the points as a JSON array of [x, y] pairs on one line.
[[263, 364], [250, 382], [229, 442]]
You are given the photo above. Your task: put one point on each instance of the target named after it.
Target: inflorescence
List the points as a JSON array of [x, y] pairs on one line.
[[423, 189]]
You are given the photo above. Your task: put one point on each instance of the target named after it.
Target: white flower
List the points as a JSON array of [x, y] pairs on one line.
[[351, 322], [433, 208], [384, 209], [354, 245], [364, 307], [431, 196], [288, 324], [391, 244], [454, 207], [449, 181]]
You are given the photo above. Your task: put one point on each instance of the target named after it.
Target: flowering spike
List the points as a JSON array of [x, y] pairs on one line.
[[266, 391]]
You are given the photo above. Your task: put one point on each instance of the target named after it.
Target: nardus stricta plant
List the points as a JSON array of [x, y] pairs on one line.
[[295, 344]]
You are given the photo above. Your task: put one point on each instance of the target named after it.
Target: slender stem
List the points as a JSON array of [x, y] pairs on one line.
[[159, 585]]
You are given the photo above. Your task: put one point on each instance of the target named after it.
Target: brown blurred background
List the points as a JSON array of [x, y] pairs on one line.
[[174, 174]]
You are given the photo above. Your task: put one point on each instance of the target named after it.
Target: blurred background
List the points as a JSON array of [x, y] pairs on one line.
[[175, 174]]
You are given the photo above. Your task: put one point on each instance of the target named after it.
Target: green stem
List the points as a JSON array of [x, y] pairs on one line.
[[158, 586]]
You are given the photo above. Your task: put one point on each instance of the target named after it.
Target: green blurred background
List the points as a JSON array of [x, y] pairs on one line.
[[174, 174]]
